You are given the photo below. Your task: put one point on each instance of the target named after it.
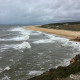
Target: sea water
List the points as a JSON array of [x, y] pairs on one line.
[[26, 53]]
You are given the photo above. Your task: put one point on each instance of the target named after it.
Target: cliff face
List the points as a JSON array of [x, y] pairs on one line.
[[61, 73]]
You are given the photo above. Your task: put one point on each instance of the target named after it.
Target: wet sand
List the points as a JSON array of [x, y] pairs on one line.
[[73, 35]]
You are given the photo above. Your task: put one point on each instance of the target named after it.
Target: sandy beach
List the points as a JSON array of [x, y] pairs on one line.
[[74, 35]]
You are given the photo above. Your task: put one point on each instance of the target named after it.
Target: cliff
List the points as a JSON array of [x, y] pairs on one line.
[[69, 72]]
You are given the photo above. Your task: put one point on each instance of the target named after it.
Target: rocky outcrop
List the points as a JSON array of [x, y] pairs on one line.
[[72, 61], [62, 73], [75, 60]]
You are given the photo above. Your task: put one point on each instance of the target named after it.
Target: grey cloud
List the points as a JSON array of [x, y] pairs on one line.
[[38, 11]]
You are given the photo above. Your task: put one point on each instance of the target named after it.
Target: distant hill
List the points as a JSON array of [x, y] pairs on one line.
[[74, 26]]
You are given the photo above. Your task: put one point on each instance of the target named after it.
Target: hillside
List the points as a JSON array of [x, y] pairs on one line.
[[74, 26]]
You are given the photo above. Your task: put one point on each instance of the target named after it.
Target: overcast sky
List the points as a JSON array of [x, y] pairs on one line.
[[38, 11]]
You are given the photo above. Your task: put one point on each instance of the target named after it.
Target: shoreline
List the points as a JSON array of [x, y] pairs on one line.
[[72, 35], [70, 72], [66, 72]]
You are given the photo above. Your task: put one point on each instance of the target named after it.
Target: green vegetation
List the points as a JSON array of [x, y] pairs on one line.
[[74, 26]]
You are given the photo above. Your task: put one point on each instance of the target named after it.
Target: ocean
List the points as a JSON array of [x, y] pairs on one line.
[[26, 53]]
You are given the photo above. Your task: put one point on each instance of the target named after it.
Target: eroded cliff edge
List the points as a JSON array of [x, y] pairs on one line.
[[69, 72]]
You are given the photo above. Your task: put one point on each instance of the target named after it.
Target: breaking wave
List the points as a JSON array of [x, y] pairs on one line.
[[18, 38], [21, 46], [43, 41], [64, 41], [21, 30], [22, 36], [35, 72]]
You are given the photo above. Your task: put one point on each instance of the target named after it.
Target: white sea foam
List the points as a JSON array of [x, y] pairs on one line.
[[43, 41], [2, 49], [24, 35], [51, 39], [40, 53], [0, 57], [65, 62], [7, 68], [37, 33], [0, 70], [21, 37], [5, 78], [74, 45], [16, 29], [11, 60], [6, 46], [24, 45], [21, 30], [2, 39], [35, 72], [21, 46], [64, 41], [18, 38], [54, 37]]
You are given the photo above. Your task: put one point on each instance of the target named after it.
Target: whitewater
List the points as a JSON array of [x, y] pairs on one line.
[[26, 53]]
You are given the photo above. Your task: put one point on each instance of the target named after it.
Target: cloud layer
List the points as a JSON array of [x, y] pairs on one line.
[[38, 11]]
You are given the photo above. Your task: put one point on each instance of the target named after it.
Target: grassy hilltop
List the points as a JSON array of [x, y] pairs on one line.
[[74, 26]]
